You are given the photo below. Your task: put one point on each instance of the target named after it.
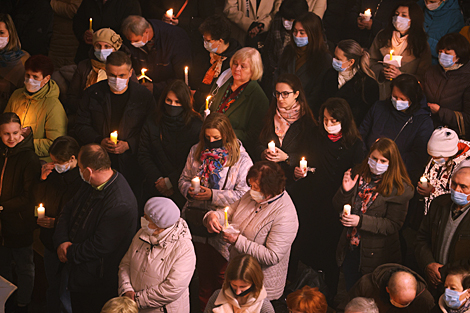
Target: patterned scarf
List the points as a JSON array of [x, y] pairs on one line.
[[97, 74], [230, 97], [365, 197], [463, 309], [214, 70], [213, 161], [284, 119], [9, 58]]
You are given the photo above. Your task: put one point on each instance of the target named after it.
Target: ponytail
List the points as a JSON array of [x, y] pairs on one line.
[[365, 61]]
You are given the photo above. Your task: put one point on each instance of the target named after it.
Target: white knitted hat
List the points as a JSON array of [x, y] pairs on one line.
[[443, 143]]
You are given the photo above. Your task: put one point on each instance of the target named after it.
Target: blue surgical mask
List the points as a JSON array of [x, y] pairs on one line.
[[446, 60], [400, 105], [452, 298], [301, 41], [338, 65], [208, 47], [102, 55], [377, 168], [458, 198], [439, 161]]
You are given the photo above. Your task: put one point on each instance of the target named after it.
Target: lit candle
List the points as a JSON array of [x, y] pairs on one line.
[[186, 79], [207, 102], [169, 13], [143, 76], [347, 209], [114, 136], [226, 217], [367, 15], [41, 211], [424, 181], [272, 146], [391, 55], [196, 184], [91, 23]]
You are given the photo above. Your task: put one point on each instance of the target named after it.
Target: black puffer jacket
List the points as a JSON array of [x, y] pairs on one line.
[[20, 172]]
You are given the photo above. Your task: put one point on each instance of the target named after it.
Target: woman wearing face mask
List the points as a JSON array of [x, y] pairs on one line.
[[165, 141], [406, 37], [60, 180], [351, 79], [457, 292], [220, 162], [12, 60], [243, 289], [378, 192], [405, 119], [267, 221], [20, 171], [162, 248], [307, 56], [37, 104], [447, 85]]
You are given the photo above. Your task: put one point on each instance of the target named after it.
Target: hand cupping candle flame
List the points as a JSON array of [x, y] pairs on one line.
[[143, 76]]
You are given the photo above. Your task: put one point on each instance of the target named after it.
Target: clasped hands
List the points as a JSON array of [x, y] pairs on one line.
[[213, 226]]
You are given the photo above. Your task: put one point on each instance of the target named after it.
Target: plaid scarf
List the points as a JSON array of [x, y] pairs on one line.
[[230, 97], [213, 161]]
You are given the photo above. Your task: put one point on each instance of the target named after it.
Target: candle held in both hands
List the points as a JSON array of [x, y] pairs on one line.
[[272, 146], [41, 211], [347, 209], [114, 137], [424, 181], [169, 13], [196, 184], [367, 14]]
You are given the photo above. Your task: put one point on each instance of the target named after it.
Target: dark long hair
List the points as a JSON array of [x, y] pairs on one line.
[[410, 87], [182, 92], [294, 82], [417, 38], [339, 109]]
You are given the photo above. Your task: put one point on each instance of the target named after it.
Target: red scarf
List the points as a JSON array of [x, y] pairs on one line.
[[336, 137]]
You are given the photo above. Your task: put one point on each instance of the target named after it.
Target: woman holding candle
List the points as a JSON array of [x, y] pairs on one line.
[[267, 220], [221, 162], [378, 191], [165, 141], [21, 170], [406, 37]]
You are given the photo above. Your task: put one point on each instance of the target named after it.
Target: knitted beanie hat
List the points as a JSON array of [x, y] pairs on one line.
[[443, 143], [162, 211], [109, 36]]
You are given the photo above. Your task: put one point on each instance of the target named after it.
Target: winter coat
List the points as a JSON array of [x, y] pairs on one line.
[[242, 16], [20, 172], [383, 120], [110, 14], [93, 122], [246, 113], [167, 58], [361, 92], [446, 19], [378, 227], [438, 175], [11, 78], [451, 91], [54, 193], [266, 307], [373, 286], [43, 112], [159, 269], [267, 231], [431, 232], [63, 44], [316, 6], [235, 188], [410, 64], [102, 238]]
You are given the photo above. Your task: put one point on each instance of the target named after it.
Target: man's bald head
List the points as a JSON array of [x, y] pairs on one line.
[[402, 287], [94, 156]]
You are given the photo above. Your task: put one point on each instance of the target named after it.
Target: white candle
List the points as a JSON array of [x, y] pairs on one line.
[[367, 15], [347, 209], [114, 136], [41, 211], [303, 164], [272, 146], [186, 79], [424, 181], [196, 184], [169, 13], [206, 113]]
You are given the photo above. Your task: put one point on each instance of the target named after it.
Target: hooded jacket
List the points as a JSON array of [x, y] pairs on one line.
[[159, 269], [43, 112], [20, 172], [373, 286]]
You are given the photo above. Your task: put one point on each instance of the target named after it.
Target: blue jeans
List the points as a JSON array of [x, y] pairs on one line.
[[58, 296], [21, 261]]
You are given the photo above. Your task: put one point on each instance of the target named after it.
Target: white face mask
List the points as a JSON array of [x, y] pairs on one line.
[[145, 226], [32, 85], [3, 42], [83, 178], [401, 23], [62, 168], [433, 6], [400, 105], [333, 129], [377, 168], [102, 55], [139, 44], [256, 195], [117, 84], [287, 24]]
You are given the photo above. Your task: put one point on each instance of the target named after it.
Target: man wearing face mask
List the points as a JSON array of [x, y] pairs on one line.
[[443, 238], [116, 104], [94, 231], [161, 48], [37, 105]]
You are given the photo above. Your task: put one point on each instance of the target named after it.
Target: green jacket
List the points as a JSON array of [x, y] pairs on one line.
[[43, 112], [246, 114]]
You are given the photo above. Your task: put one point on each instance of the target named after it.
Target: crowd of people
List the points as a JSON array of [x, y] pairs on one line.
[[241, 146]]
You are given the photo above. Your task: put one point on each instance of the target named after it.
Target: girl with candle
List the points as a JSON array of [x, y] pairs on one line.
[[222, 163], [165, 141], [21, 170], [378, 190], [405, 35]]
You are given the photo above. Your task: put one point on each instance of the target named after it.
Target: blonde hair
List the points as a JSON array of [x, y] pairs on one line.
[[245, 267], [120, 305], [254, 57], [13, 40], [353, 51], [220, 122]]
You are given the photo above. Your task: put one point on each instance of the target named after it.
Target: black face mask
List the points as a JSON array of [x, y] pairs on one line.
[[173, 110], [214, 144], [242, 294]]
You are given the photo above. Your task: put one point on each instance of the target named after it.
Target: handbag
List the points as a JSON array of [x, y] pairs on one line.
[[460, 124], [194, 216]]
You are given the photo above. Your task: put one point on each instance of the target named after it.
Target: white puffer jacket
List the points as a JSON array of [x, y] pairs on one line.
[[159, 269]]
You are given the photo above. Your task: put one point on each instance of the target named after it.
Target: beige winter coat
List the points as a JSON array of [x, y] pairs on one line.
[[159, 270], [316, 6]]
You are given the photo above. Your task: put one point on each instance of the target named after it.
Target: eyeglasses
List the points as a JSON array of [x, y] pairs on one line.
[[284, 94]]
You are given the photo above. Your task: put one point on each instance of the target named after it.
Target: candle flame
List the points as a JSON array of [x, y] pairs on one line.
[[303, 158], [367, 12], [40, 205], [186, 69], [391, 51], [196, 178], [208, 98], [226, 209], [142, 74], [169, 12]]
